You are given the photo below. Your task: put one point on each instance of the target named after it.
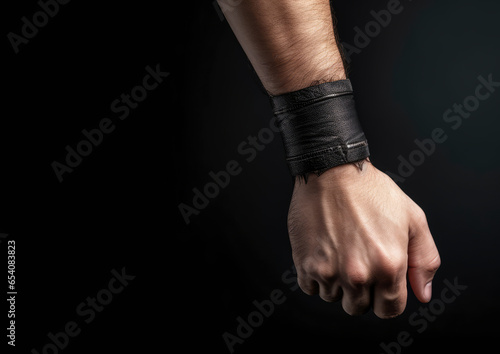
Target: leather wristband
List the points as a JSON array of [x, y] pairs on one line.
[[320, 127]]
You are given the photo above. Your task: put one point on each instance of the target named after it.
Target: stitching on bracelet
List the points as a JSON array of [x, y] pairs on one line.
[[337, 148], [355, 145]]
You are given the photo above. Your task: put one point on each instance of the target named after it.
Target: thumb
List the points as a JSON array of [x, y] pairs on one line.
[[423, 257]]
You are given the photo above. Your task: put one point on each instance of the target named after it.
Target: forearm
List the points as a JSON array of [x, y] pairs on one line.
[[290, 43], [354, 234]]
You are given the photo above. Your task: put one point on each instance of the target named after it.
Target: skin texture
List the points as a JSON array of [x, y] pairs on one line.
[[291, 44], [355, 235]]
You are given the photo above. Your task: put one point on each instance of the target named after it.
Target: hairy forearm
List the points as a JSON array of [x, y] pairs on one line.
[[290, 43], [355, 236]]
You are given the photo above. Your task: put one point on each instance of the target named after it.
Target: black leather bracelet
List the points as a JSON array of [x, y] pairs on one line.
[[320, 127]]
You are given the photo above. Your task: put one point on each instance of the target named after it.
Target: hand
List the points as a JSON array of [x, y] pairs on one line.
[[354, 235]]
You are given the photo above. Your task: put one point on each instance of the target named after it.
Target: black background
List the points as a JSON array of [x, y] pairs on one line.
[[119, 207]]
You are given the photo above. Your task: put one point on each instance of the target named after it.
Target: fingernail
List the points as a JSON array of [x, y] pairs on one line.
[[428, 291]]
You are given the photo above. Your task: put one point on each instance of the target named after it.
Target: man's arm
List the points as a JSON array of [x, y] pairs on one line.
[[291, 44], [354, 234]]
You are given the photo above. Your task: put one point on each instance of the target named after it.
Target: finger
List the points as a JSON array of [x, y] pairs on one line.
[[389, 301], [328, 280], [308, 285], [330, 293], [423, 258], [356, 300]]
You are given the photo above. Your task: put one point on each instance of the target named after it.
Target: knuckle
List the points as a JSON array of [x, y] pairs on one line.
[[429, 263], [320, 270], [394, 265], [434, 264], [306, 266], [392, 304], [326, 274], [357, 277], [419, 215]]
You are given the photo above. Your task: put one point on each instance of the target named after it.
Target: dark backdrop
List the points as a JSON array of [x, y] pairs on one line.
[[119, 207]]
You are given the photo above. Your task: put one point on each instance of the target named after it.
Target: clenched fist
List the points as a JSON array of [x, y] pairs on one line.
[[355, 235]]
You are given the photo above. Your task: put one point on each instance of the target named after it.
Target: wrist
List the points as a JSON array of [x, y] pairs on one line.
[[340, 177], [320, 128]]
